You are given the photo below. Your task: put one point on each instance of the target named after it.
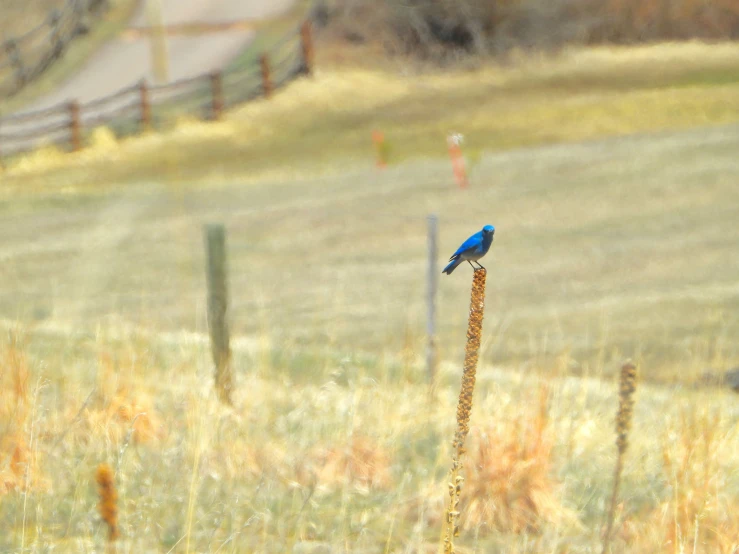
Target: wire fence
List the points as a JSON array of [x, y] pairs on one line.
[[142, 106], [24, 57], [166, 291]]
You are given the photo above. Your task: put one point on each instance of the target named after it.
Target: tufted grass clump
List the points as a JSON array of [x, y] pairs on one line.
[[510, 486], [702, 508], [20, 468]]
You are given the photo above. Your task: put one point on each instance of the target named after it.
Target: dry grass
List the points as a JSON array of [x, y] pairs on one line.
[[361, 464], [574, 96], [579, 213], [606, 249], [617, 246], [510, 487], [117, 405], [18, 464], [698, 512]]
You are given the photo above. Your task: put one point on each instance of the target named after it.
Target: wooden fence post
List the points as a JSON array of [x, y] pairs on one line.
[[216, 88], [75, 128], [433, 283], [266, 76], [81, 17], [56, 41], [16, 60], [98, 5], [215, 240], [145, 105], [306, 43], [78, 8]]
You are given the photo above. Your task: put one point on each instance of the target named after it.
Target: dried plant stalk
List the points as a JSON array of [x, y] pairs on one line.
[[627, 388], [450, 527], [108, 500]]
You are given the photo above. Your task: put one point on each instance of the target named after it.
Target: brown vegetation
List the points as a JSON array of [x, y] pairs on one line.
[[509, 487], [433, 28], [19, 463], [464, 406], [108, 500], [627, 388], [363, 464]]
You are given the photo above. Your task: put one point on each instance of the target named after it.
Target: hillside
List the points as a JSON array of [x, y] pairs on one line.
[[610, 175]]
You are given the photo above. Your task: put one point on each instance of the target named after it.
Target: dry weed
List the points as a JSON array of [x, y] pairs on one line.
[[362, 464], [121, 408], [19, 464], [509, 486], [701, 514], [108, 500]]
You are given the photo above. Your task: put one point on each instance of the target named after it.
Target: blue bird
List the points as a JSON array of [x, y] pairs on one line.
[[472, 249]]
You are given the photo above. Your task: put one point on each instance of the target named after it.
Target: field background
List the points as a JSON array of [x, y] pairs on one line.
[[19, 17], [610, 175]]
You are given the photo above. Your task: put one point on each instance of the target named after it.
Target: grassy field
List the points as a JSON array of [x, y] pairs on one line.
[[610, 177], [345, 453], [621, 246]]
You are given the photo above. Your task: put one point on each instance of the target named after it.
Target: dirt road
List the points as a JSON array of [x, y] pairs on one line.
[[124, 61]]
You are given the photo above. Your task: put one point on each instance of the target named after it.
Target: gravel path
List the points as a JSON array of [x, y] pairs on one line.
[[124, 61]]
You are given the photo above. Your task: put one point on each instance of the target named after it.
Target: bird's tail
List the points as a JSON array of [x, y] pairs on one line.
[[451, 266]]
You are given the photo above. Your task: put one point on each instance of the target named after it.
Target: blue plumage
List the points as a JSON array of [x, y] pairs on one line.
[[472, 249]]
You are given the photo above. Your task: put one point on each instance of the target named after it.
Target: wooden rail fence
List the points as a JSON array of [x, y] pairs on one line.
[[24, 57], [144, 106]]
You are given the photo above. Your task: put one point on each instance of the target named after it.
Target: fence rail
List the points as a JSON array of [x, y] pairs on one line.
[[143, 106], [24, 57]]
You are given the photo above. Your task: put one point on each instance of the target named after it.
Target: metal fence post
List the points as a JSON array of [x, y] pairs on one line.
[[215, 240]]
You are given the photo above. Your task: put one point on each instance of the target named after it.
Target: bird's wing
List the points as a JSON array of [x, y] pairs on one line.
[[472, 242]]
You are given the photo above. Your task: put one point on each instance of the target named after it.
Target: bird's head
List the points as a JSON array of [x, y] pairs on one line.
[[488, 230]]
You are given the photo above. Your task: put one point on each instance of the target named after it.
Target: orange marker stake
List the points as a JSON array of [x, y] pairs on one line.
[[458, 165], [378, 138]]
